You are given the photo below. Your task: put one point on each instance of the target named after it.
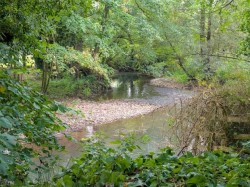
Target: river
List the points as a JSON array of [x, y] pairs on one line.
[[133, 87]]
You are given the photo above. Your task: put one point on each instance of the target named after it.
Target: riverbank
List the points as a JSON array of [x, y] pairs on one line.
[[150, 97], [171, 83], [98, 113]]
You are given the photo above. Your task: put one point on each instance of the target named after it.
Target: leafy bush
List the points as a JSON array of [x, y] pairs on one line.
[[71, 87], [170, 69], [103, 166], [180, 76], [232, 71], [27, 127], [157, 69]]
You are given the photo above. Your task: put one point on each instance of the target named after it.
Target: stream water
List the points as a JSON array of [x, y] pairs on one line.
[[131, 86]]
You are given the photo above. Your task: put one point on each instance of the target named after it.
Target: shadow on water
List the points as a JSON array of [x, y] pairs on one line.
[[134, 87]]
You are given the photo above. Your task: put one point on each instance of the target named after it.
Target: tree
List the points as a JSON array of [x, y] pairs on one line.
[[27, 119], [245, 27]]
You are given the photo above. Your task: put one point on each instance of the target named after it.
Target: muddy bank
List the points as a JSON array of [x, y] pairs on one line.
[[97, 113]]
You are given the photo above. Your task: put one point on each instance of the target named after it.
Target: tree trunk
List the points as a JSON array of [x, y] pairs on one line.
[[47, 71], [202, 30], [207, 64], [181, 60]]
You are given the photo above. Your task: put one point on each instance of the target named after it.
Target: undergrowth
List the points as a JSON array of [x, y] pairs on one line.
[[71, 87], [102, 166]]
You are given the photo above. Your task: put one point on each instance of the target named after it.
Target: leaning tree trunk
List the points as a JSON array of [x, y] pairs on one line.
[[181, 61]]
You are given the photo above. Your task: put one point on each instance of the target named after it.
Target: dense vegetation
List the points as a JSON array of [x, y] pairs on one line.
[[27, 121], [102, 166], [75, 46]]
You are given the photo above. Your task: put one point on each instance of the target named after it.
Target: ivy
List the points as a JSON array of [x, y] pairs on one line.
[[27, 127], [104, 166]]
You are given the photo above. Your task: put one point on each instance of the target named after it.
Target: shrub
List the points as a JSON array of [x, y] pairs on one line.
[[232, 71], [180, 76], [157, 69], [68, 86], [27, 127]]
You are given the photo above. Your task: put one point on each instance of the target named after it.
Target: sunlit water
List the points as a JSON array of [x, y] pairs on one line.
[[134, 87]]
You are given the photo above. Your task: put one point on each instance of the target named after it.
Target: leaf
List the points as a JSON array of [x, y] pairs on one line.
[[154, 184], [145, 138], [14, 90], [57, 18], [116, 142], [2, 89], [150, 163], [5, 123], [36, 106], [198, 179], [139, 162], [3, 166], [136, 184], [9, 140], [67, 180], [61, 107]]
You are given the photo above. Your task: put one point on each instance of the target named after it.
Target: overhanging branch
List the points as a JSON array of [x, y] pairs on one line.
[[221, 56]]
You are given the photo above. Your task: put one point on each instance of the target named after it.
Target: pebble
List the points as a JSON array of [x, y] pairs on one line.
[[98, 113]]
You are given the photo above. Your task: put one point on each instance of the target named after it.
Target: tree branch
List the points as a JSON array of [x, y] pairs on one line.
[[221, 56], [142, 10], [224, 6]]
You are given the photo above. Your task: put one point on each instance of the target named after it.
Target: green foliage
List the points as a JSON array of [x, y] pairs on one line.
[[69, 66], [27, 127], [157, 69], [229, 70], [102, 166], [179, 76], [126, 35], [236, 93], [70, 87], [68, 60], [245, 27]]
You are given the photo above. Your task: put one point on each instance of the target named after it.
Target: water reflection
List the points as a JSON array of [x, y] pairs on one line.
[[129, 86], [154, 125], [90, 131]]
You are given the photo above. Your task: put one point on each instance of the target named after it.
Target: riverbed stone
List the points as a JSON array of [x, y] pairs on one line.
[[98, 113]]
